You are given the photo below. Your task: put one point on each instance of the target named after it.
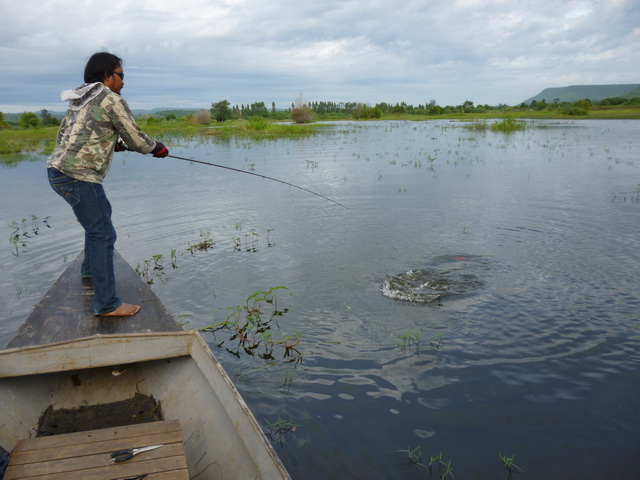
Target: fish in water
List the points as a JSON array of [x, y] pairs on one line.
[[429, 285]]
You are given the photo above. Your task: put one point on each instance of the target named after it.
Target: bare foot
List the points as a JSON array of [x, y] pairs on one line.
[[124, 310]]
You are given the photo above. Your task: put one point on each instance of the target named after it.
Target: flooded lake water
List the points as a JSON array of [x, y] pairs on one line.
[[525, 246]]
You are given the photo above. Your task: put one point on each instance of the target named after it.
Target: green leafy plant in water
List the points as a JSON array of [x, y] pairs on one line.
[[251, 245], [280, 427], [444, 469], [251, 328], [205, 244], [157, 261], [408, 338], [447, 470], [414, 455], [152, 268], [202, 246], [146, 271], [27, 228], [509, 464]]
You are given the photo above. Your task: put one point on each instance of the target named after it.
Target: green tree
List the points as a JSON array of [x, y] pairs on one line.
[[467, 106], [584, 104], [29, 119], [3, 122], [539, 106], [365, 111], [398, 109], [221, 111], [47, 118]]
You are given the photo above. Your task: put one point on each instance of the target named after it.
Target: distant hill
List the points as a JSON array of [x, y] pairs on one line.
[[635, 93], [595, 93]]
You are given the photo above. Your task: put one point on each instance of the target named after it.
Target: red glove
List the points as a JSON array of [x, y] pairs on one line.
[[160, 151]]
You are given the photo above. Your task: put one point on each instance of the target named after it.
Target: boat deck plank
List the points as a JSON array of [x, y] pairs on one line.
[[66, 310], [87, 454]]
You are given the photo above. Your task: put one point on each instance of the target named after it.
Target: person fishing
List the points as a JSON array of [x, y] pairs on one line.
[[89, 134]]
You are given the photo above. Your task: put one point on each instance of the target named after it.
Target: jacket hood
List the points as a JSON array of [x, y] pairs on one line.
[[80, 96]]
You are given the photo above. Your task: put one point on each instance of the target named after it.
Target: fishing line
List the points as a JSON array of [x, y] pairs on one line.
[[360, 215], [258, 175]]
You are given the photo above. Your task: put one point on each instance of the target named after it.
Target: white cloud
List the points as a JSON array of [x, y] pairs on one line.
[[194, 52]]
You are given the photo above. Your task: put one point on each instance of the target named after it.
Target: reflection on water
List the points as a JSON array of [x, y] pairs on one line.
[[536, 355]]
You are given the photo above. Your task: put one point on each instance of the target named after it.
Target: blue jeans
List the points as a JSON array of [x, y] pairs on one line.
[[93, 211]]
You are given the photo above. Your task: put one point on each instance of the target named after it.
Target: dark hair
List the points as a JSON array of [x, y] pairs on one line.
[[100, 65]]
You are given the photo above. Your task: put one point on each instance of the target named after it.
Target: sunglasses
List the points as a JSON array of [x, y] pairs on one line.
[[120, 74]]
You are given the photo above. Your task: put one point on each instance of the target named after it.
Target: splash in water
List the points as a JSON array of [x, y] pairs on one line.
[[431, 285]]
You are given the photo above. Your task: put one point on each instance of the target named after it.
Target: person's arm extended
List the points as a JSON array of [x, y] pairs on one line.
[[126, 126]]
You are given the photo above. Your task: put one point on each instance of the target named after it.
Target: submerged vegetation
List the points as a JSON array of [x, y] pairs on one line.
[[443, 469], [250, 327], [279, 428], [23, 231]]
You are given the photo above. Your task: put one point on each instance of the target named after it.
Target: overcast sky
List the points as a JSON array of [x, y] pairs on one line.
[[190, 53]]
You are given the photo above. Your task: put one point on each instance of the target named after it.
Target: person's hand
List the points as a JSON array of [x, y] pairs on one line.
[[160, 151]]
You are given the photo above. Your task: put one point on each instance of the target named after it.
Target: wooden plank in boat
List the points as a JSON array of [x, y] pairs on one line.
[[87, 455], [66, 311]]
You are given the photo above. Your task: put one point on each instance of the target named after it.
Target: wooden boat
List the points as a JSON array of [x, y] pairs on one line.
[[121, 373]]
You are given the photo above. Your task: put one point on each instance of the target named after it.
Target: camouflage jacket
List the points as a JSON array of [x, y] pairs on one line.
[[88, 133]]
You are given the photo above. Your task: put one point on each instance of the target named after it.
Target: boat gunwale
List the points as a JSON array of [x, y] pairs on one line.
[[10, 365]]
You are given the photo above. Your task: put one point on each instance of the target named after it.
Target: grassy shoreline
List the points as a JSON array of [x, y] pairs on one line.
[[16, 143]]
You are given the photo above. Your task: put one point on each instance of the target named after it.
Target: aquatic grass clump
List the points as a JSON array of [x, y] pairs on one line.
[[408, 338], [509, 124], [414, 456], [506, 125], [508, 463], [23, 231]]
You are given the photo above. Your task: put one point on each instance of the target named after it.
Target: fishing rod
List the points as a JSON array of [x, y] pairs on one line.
[[258, 175]]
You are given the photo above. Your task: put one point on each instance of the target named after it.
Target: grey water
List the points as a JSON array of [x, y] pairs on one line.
[[539, 359]]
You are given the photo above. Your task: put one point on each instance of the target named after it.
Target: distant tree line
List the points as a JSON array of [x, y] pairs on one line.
[[31, 120], [302, 112], [223, 110]]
